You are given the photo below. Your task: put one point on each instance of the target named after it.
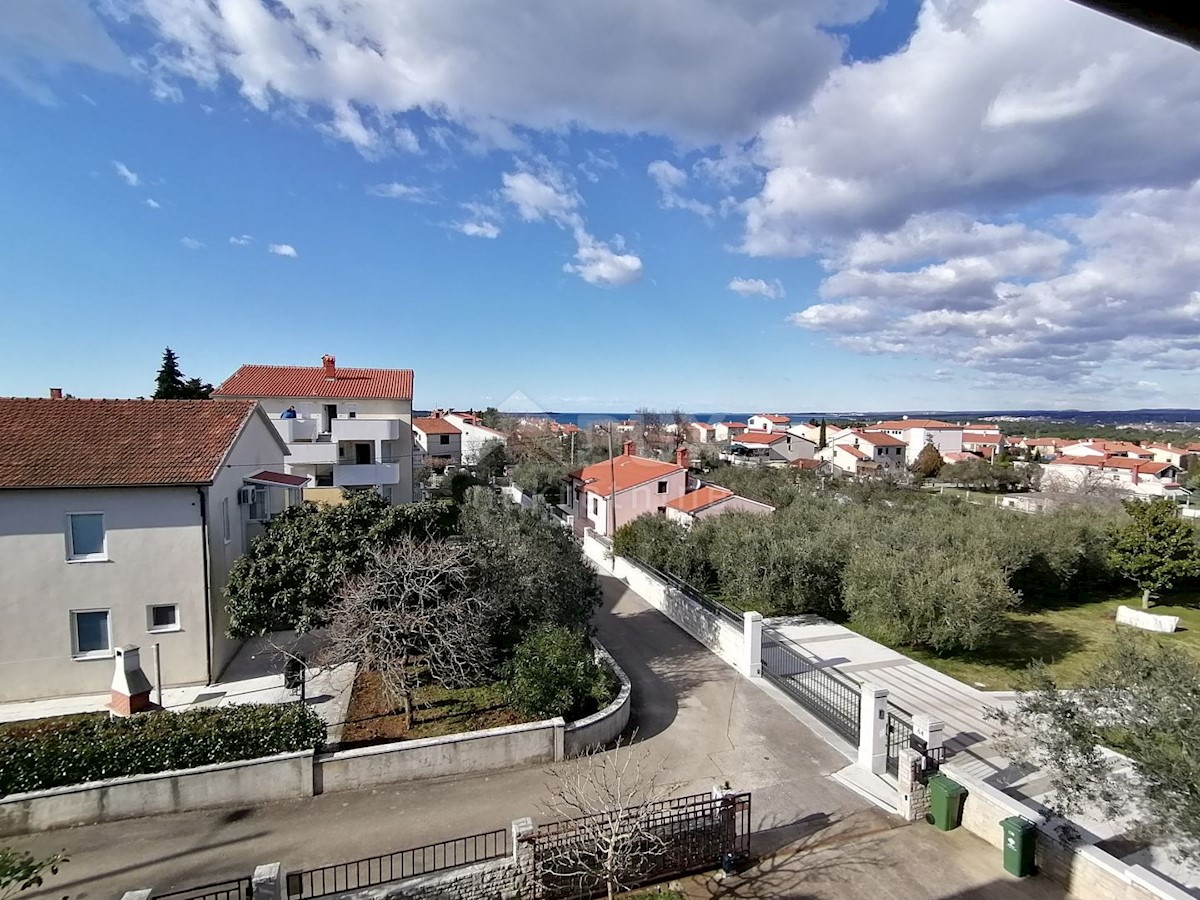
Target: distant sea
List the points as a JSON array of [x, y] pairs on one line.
[[1158, 417]]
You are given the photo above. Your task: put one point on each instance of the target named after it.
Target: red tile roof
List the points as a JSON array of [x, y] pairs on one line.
[[974, 437], [703, 425], [111, 443], [630, 471], [982, 426], [432, 425], [774, 418], [278, 478], [808, 463], [705, 495], [300, 382], [853, 451], [927, 424], [761, 437], [878, 439], [733, 424], [1141, 466]]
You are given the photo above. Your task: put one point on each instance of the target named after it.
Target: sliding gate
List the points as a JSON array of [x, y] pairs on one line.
[[822, 690]]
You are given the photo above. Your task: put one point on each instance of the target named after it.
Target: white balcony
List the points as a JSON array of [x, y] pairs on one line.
[[363, 475], [366, 429], [292, 430], [308, 454]]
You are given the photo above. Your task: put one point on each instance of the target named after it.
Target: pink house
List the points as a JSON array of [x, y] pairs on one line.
[[636, 484]]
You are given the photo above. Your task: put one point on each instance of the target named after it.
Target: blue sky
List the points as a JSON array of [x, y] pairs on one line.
[[605, 206]]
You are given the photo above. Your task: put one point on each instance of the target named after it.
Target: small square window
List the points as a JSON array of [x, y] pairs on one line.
[[90, 635], [162, 617], [86, 537], [443, 438], [662, 487]]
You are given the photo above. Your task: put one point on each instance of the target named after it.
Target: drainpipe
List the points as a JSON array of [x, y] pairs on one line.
[[208, 634]]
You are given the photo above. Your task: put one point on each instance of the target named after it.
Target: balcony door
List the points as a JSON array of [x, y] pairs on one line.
[[328, 414], [362, 454]]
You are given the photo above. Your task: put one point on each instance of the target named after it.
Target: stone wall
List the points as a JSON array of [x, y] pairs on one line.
[[1084, 871], [500, 879]]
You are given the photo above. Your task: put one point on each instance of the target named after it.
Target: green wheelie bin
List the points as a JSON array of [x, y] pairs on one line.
[[945, 802], [1020, 839]]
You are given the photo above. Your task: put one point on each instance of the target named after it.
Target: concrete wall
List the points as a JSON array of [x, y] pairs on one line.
[[721, 637], [459, 754], [287, 776], [154, 556], [606, 725], [473, 438], [1084, 871]]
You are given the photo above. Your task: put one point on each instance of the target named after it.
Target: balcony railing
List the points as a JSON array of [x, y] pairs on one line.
[[318, 453], [362, 475], [292, 430], [366, 429]]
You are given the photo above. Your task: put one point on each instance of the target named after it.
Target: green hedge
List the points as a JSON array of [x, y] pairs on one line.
[[77, 750]]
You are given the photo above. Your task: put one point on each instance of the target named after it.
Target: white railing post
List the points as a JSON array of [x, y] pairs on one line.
[[929, 730], [267, 882], [872, 728], [752, 629]]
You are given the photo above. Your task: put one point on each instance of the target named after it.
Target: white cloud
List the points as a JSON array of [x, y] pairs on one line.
[[191, 243], [697, 70], [670, 179], [39, 37], [482, 229], [126, 174], [756, 287], [152, 203], [1110, 301], [396, 190], [549, 195], [283, 250], [987, 108], [241, 240]]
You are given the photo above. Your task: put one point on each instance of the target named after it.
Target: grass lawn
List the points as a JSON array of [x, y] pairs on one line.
[[371, 720], [1068, 639]]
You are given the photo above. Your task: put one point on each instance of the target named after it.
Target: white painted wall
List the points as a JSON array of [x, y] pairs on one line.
[[473, 437]]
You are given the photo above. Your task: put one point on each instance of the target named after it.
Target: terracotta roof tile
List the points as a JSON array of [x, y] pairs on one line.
[[705, 495], [774, 418], [974, 437], [761, 437], [109, 443], [1141, 466], [630, 472], [808, 463], [278, 478], [853, 451], [298, 382], [927, 424], [878, 438], [432, 425]]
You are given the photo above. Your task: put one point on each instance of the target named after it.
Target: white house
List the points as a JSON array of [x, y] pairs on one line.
[[758, 447], [985, 443], [475, 435], [343, 427], [438, 443], [701, 432], [1089, 474], [724, 431], [768, 422], [606, 495], [811, 431], [709, 500], [119, 523], [1104, 449], [916, 433], [1180, 457], [860, 452]]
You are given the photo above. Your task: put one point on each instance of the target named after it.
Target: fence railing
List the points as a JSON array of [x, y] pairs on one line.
[[821, 689], [230, 889], [374, 870], [899, 735], [716, 607], [663, 839]]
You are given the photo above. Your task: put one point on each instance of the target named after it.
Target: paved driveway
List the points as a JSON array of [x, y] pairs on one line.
[[697, 716]]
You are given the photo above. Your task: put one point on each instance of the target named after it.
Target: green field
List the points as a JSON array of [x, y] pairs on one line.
[[1068, 639]]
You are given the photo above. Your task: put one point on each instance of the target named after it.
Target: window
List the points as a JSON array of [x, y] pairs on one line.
[[225, 530], [163, 617], [443, 438], [260, 504], [90, 635], [595, 506], [662, 487], [662, 510], [86, 537]]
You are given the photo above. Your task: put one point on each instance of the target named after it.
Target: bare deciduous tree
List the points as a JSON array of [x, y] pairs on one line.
[[409, 617], [607, 801]]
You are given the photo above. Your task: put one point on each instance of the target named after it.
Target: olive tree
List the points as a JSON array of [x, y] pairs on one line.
[[1156, 548]]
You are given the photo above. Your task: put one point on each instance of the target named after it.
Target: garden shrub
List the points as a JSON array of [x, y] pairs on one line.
[[92, 748], [555, 673]]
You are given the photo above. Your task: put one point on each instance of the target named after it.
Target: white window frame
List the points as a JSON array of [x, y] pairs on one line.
[[261, 500], [76, 653], [226, 527], [151, 628], [74, 557]]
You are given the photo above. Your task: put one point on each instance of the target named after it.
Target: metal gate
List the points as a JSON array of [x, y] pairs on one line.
[[232, 889], [822, 690], [899, 736], [671, 837]]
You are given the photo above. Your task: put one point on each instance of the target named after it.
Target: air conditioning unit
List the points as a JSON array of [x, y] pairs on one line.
[[245, 496]]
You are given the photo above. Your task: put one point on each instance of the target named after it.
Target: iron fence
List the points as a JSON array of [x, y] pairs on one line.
[[653, 841], [362, 873], [899, 736], [822, 690], [715, 607], [230, 889]]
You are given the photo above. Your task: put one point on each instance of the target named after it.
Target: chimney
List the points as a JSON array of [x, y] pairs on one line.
[[130, 691], [681, 457], [329, 363], [628, 448], [55, 393]]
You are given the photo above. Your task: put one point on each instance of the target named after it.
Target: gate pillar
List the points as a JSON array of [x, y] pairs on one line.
[[872, 728]]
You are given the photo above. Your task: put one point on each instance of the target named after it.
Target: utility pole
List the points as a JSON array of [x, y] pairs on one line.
[[612, 487]]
